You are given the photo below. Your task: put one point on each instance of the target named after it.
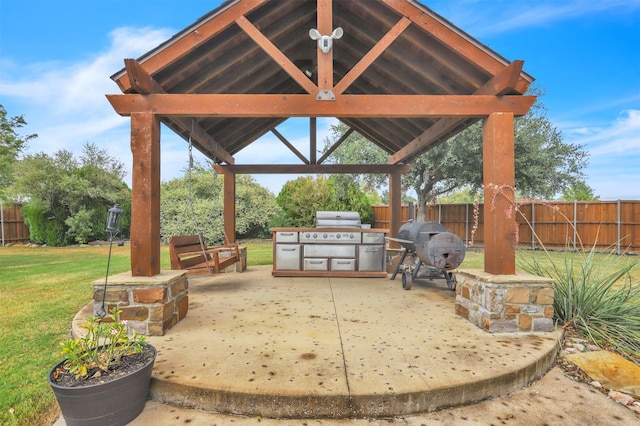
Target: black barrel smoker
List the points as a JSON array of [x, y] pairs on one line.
[[433, 246]]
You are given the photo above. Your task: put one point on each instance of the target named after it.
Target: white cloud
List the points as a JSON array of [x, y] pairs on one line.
[[613, 154], [620, 137], [64, 102], [481, 18]]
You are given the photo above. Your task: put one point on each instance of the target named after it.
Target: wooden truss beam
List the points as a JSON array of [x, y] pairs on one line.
[[276, 54], [347, 106], [504, 82], [289, 145], [372, 55], [145, 84], [333, 147], [325, 60], [266, 169]]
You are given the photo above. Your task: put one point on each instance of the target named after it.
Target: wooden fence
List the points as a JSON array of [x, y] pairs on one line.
[[574, 225], [613, 224], [12, 226]]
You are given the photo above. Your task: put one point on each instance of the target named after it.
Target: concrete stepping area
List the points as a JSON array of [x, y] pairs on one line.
[[302, 347]]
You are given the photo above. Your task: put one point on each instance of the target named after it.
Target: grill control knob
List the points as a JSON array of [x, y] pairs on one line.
[[338, 236], [315, 235], [306, 235], [352, 236], [324, 235]]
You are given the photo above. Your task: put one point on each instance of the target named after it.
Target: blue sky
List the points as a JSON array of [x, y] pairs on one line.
[[56, 58]]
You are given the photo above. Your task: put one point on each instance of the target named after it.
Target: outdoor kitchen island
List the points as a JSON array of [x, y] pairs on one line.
[[329, 252]]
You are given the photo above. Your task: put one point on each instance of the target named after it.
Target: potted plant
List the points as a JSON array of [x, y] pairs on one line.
[[104, 378]]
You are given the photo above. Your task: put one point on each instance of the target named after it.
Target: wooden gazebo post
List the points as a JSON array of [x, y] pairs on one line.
[[395, 204], [145, 195], [499, 181]]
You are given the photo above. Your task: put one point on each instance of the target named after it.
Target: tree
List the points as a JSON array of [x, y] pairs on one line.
[[194, 204], [345, 195], [579, 191], [66, 198], [301, 198], [11, 146], [544, 164], [356, 149]]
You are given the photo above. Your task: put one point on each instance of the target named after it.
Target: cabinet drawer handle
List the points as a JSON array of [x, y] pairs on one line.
[[316, 262], [288, 249], [371, 249], [343, 262], [286, 234]]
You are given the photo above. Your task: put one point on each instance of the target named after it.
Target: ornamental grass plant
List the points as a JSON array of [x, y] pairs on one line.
[[594, 294]]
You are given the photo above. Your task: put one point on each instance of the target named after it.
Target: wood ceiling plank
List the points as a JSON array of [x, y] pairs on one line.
[[188, 41], [456, 40], [371, 55], [275, 53], [282, 105]]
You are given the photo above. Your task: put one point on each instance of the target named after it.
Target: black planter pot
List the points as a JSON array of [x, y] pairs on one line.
[[116, 402]]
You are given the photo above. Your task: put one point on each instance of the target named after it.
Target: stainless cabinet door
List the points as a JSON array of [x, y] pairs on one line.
[[371, 258], [288, 257]]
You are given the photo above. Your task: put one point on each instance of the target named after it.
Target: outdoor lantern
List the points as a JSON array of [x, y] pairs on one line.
[[114, 218]]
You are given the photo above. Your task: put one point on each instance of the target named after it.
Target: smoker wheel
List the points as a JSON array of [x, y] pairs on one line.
[[451, 280], [407, 279]]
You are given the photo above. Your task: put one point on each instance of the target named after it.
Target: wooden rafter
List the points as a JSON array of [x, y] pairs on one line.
[[367, 106], [145, 84], [191, 40], [313, 168], [504, 82]]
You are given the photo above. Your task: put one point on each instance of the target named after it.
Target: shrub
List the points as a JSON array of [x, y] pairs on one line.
[[80, 226], [596, 296]]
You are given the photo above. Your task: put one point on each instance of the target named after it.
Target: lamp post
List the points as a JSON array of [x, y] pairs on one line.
[[113, 222]]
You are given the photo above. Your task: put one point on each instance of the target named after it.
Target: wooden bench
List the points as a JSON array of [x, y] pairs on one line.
[[187, 253]]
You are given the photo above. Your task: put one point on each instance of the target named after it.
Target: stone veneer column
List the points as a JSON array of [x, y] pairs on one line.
[[151, 305], [505, 303]]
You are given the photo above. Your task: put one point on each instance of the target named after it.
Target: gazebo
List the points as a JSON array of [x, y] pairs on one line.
[[392, 70]]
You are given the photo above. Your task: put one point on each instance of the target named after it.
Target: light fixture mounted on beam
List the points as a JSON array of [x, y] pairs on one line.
[[325, 42]]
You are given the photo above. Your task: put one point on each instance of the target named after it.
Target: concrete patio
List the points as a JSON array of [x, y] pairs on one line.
[[284, 347]]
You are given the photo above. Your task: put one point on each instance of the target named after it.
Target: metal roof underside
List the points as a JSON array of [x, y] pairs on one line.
[[418, 61]]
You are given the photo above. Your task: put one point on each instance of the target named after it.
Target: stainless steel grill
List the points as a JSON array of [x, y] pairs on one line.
[[337, 246], [330, 219], [349, 221]]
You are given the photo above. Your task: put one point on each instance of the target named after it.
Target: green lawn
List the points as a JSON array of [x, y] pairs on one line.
[[41, 289]]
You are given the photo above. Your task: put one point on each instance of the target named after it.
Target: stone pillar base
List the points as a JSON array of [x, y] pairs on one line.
[[151, 305], [505, 303]]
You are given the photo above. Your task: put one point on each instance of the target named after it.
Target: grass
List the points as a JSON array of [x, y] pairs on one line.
[[41, 289]]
